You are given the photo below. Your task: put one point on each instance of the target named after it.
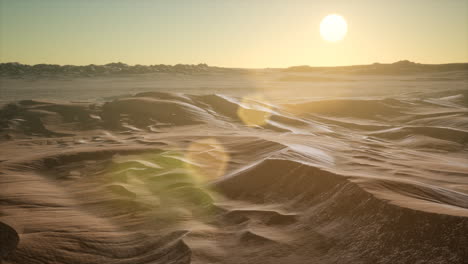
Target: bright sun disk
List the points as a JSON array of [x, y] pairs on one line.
[[333, 28]]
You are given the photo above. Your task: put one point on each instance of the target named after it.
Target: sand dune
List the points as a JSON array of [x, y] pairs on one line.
[[223, 178]]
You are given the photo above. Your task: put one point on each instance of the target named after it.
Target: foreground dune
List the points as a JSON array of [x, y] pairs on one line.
[[188, 178]]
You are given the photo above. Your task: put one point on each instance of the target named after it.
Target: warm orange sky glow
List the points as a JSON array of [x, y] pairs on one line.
[[254, 33]]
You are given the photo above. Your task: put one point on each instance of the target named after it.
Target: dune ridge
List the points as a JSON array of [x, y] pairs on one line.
[[187, 178]]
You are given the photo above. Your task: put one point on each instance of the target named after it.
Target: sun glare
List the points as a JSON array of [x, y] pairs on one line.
[[333, 28]]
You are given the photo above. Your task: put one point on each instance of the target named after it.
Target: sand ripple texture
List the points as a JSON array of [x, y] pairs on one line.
[[187, 178]]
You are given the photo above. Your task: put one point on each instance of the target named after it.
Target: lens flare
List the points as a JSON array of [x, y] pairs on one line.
[[254, 110], [167, 183], [207, 159]]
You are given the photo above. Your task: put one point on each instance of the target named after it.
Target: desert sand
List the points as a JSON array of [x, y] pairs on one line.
[[242, 166]]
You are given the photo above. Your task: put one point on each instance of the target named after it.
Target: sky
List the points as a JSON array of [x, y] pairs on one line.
[[231, 33]]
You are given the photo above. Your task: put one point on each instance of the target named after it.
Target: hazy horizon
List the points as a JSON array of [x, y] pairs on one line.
[[254, 34], [289, 66]]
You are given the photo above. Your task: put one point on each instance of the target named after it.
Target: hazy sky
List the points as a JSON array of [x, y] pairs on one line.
[[242, 33]]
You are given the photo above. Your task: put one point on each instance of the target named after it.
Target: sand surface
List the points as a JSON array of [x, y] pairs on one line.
[[254, 167]]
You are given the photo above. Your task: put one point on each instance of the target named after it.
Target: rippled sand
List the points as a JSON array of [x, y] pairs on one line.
[[348, 171]]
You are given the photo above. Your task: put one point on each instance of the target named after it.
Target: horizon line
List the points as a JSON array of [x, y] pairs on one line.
[[208, 65]]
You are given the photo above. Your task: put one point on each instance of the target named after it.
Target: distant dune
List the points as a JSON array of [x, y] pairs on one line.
[[15, 69], [400, 67], [18, 70]]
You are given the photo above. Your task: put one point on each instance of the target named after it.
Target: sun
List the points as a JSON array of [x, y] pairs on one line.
[[333, 28]]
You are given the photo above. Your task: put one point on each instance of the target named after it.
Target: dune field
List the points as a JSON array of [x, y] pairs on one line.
[[213, 165]]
